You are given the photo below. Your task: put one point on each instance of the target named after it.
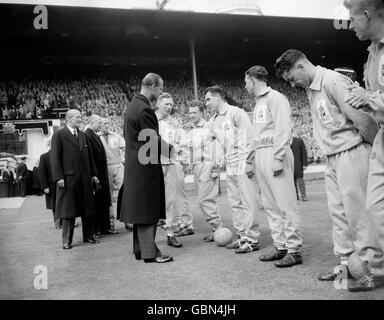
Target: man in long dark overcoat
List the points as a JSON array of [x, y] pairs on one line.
[[102, 196], [143, 200], [22, 176], [9, 181], [300, 163], [75, 177], [45, 176]]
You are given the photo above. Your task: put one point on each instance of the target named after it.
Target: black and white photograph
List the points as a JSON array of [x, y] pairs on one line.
[[213, 152]]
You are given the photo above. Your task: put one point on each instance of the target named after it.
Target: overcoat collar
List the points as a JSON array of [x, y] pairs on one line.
[[71, 137], [143, 98], [96, 137]]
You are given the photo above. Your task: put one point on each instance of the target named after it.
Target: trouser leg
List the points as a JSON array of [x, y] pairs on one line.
[[115, 179], [280, 196], [170, 182], [146, 237], [207, 192], [68, 229], [249, 200], [301, 185], [236, 205], [88, 226], [136, 243], [182, 202], [296, 188], [342, 241], [375, 205], [23, 188]]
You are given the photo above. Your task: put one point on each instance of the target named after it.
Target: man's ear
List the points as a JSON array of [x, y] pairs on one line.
[[300, 67], [367, 15]]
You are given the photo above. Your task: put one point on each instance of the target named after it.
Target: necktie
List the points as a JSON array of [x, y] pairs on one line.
[[75, 134]]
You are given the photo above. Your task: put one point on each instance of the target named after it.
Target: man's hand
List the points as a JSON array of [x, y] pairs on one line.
[[215, 174], [277, 167], [60, 183], [46, 190], [357, 97], [95, 180], [249, 170]]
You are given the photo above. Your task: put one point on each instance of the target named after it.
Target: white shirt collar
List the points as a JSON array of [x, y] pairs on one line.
[[72, 130]]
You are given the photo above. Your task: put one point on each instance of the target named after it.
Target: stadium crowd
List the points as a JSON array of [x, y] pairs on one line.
[[36, 99]]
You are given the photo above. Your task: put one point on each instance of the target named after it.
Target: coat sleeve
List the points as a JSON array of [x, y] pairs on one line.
[[148, 122], [282, 135], [43, 174], [56, 157], [245, 124], [363, 121], [91, 156]]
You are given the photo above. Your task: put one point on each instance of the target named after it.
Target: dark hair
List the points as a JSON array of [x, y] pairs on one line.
[[287, 60], [217, 90], [258, 72], [196, 104], [151, 79]]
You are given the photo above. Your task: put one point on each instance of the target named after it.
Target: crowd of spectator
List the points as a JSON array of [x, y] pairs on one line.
[[36, 99]]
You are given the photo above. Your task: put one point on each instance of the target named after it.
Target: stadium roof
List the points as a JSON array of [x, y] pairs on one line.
[[120, 36]]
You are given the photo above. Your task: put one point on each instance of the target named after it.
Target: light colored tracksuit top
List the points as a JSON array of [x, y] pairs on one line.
[[337, 126], [234, 132], [374, 79], [272, 122]]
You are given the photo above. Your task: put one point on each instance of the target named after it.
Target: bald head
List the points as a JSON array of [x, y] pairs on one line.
[[73, 118], [94, 122]]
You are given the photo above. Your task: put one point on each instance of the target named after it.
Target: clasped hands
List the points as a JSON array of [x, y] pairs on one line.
[[357, 97]]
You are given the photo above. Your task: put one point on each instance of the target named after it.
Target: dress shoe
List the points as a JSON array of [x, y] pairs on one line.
[[172, 241], [290, 260], [248, 246], [273, 255], [185, 232], [138, 256], [209, 238], [112, 232], [160, 259], [97, 235], [67, 246], [91, 240]]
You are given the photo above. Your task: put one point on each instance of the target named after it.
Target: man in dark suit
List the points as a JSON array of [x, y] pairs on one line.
[[22, 176], [301, 163], [9, 181], [45, 176], [75, 177], [102, 197], [143, 200]]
